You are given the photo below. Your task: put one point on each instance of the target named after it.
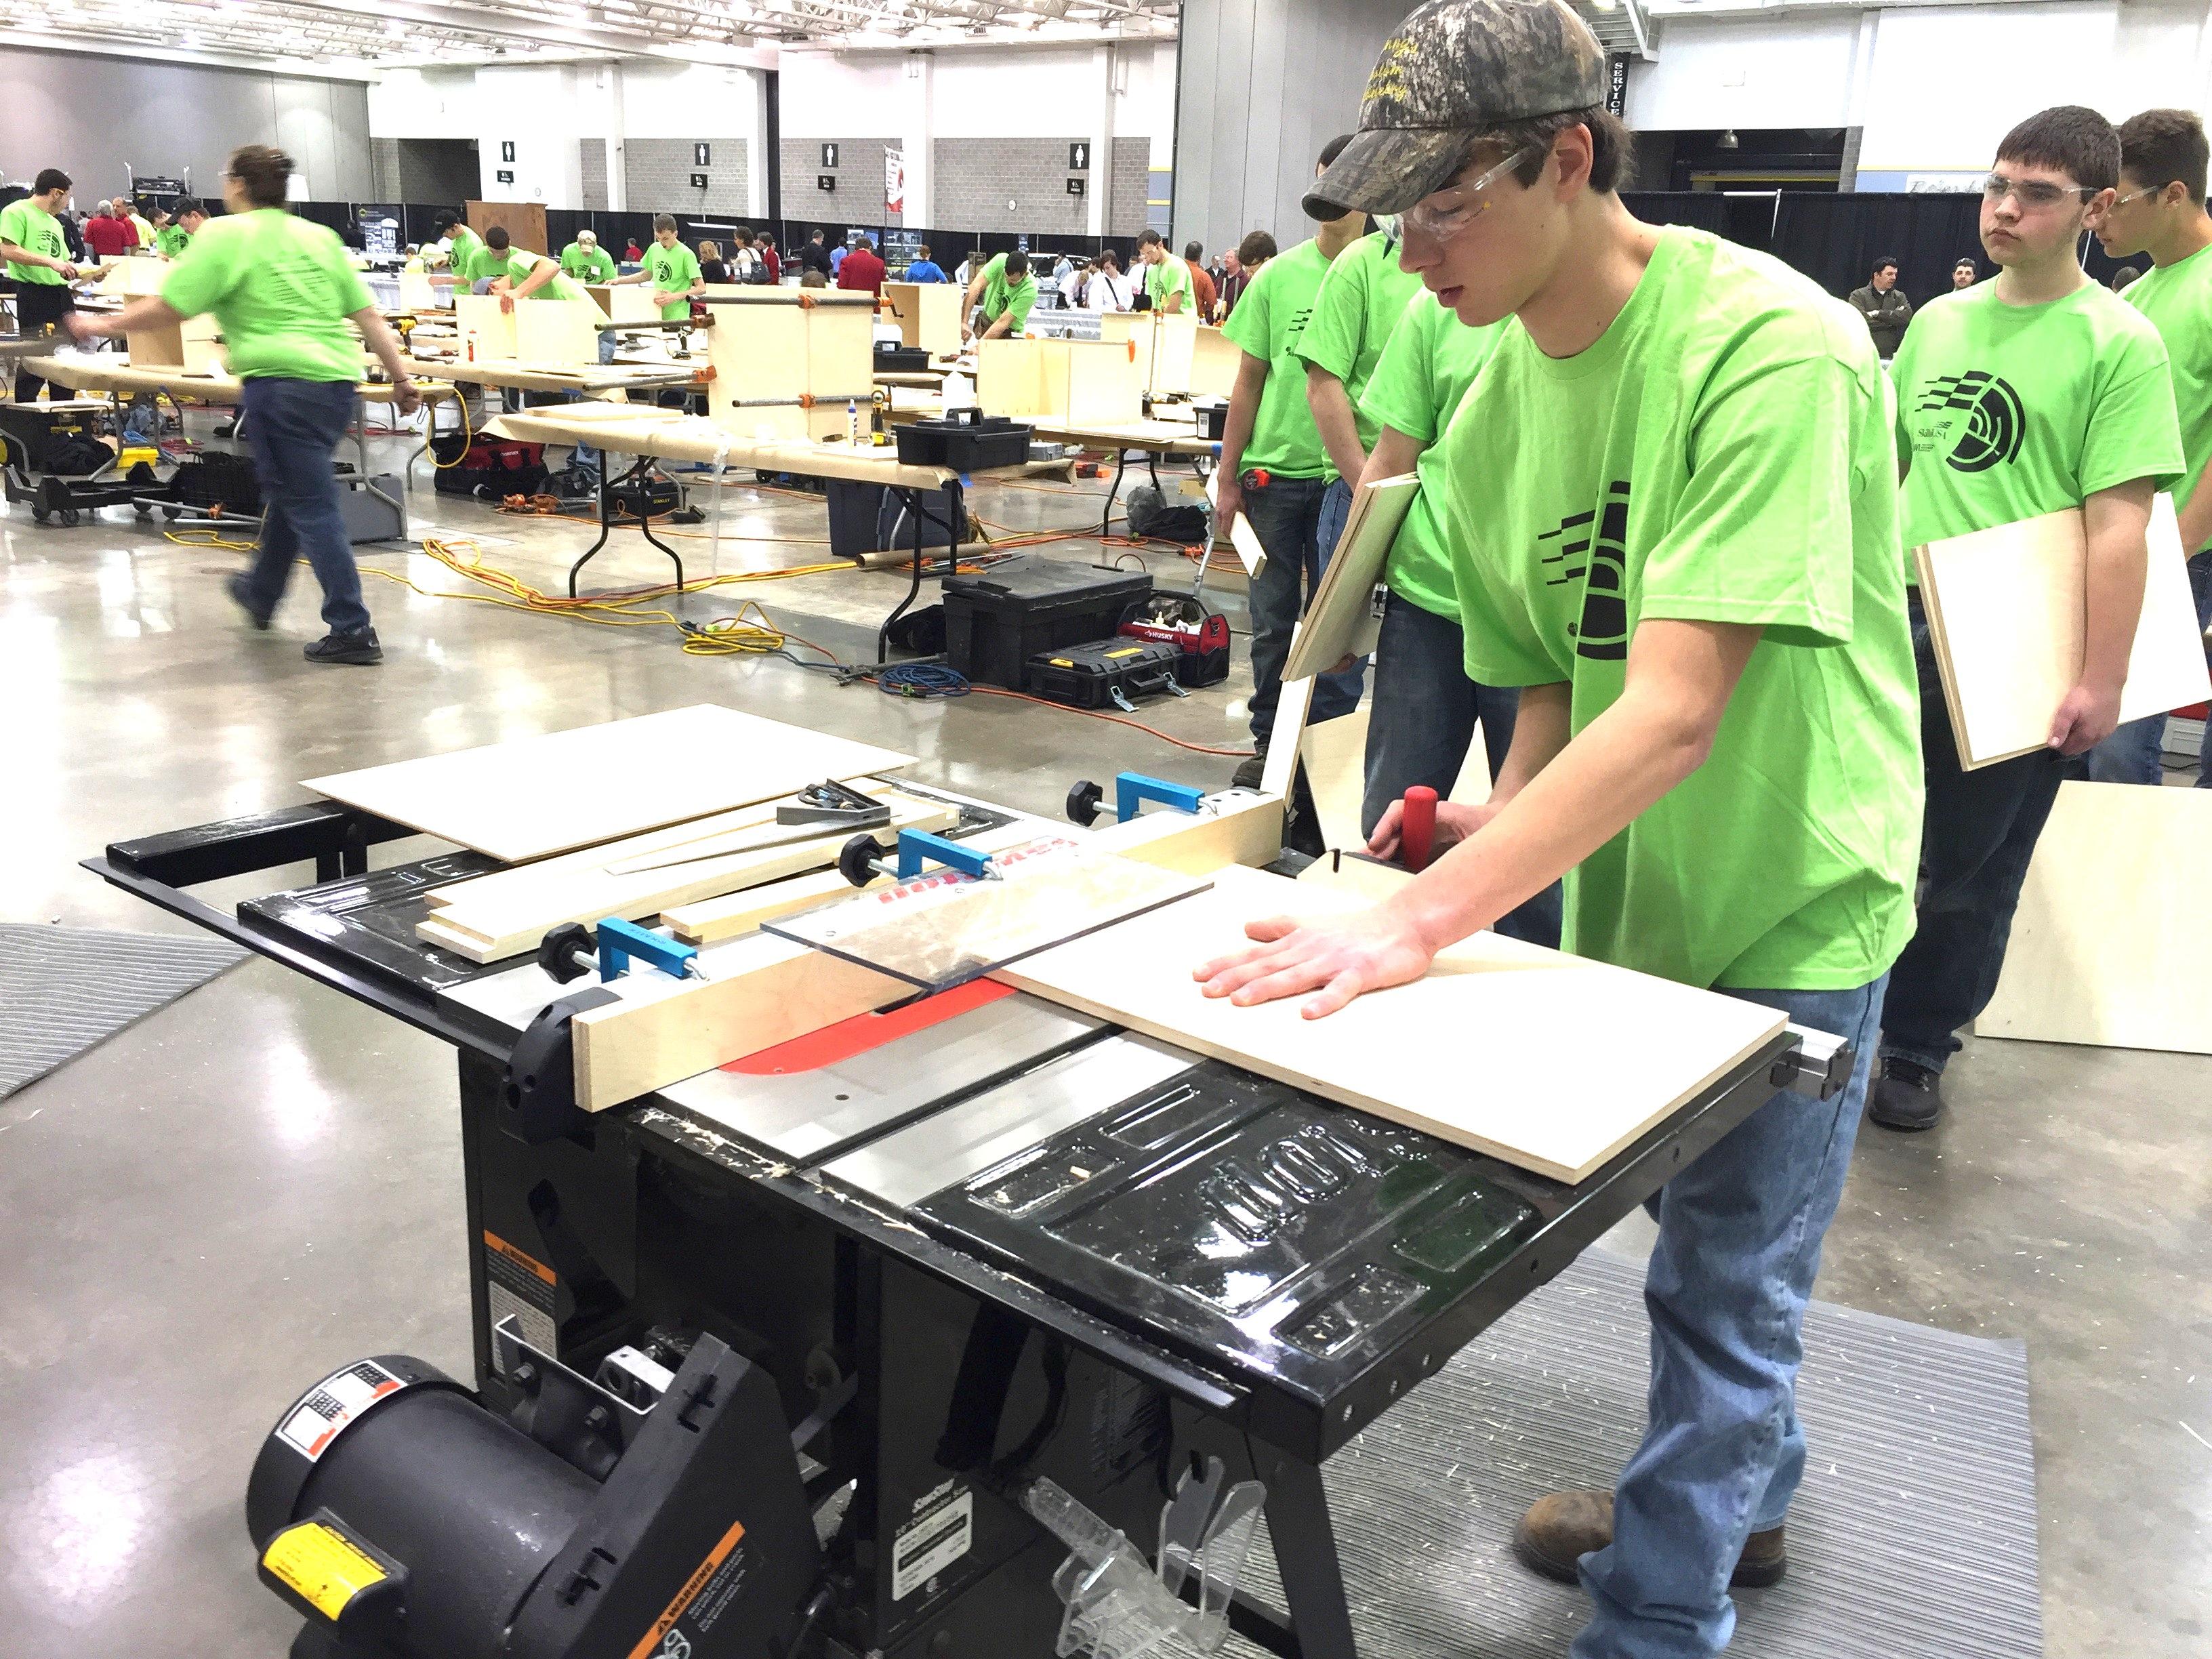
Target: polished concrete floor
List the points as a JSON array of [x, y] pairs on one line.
[[261, 1182]]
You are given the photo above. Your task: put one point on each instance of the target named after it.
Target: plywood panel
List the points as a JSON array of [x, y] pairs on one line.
[[1335, 754], [1340, 621], [2111, 945], [625, 302], [486, 322], [556, 333], [927, 315], [1214, 362], [2008, 615], [1485, 1050], [711, 920], [1240, 829], [547, 794]]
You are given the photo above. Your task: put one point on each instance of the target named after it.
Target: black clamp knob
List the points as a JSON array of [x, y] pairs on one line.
[[563, 952], [1083, 801], [857, 859]]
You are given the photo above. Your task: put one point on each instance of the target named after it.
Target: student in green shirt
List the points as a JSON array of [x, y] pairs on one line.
[[586, 260], [283, 291], [1671, 512], [673, 271], [2039, 391], [170, 240], [2161, 212], [461, 247], [35, 253], [503, 268], [1167, 279], [1275, 470], [1006, 290]]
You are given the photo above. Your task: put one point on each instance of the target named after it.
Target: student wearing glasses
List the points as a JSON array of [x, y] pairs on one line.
[[2040, 391], [1670, 507]]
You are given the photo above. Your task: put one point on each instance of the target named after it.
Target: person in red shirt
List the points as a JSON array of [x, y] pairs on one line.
[[1202, 282], [764, 245], [862, 271], [107, 234]]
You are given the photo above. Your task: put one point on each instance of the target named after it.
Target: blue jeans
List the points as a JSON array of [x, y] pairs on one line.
[[292, 427], [1423, 716], [1285, 514], [2135, 753], [1978, 834], [1739, 1234]]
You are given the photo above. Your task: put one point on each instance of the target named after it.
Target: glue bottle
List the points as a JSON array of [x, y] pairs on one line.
[[853, 422]]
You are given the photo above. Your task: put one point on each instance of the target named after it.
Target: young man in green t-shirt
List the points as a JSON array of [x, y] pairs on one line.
[[673, 271], [1167, 279], [463, 248], [586, 260], [1275, 470], [1006, 289], [2161, 212], [1360, 304], [1671, 510], [33, 252], [2037, 392]]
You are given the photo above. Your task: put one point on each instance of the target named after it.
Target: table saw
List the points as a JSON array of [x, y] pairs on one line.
[[904, 1274]]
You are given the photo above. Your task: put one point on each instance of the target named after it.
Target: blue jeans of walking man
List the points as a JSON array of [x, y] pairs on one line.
[[293, 427], [1424, 715], [1739, 1234], [1285, 514]]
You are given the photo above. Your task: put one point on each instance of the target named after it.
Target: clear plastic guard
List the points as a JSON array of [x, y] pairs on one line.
[[1118, 1607]]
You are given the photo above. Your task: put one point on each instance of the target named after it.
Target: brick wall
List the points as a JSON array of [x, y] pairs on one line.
[[858, 198], [976, 178], [1133, 161], [384, 169], [657, 173], [591, 154]]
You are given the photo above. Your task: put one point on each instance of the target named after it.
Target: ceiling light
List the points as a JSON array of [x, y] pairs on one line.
[[1729, 139], [188, 39]]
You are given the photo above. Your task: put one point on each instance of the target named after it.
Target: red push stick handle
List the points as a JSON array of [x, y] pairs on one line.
[[1417, 830]]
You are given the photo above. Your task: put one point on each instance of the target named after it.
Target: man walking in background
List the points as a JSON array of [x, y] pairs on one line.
[[108, 235], [862, 271], [1202, 289], [2039, 393], [1167, 279], [2160, 212], [1884, 307]]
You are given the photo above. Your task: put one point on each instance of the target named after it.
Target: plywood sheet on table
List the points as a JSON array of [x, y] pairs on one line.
[[2111, 945], [2008, 613], [556, 333], [486, 323], [548, 793], [1493, 1049]]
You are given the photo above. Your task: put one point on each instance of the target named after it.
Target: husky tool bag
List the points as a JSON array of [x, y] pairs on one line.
[[489, 469]]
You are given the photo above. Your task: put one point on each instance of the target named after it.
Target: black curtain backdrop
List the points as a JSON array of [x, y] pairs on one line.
[[1701, 209], [1835, 239]]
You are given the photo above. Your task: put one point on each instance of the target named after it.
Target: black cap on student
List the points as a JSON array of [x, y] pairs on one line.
[[1454, 70]]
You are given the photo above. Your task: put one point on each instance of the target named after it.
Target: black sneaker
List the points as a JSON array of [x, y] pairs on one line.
[[242, 594], [1249, 771], [1906, 1096], [361, 647]]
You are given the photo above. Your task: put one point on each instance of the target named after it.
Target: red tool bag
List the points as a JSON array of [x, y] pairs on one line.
[[489, 469], [1199, 633]]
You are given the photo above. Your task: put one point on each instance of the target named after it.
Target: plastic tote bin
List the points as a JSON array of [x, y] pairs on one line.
[[997, 619]]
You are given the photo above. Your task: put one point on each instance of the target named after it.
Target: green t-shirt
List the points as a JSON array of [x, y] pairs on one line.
[[29, 225], [674, 270], [1362, 301], [281, 289], [594, 266], [1425, 370], [1267, 325], [519, 264], [2177, 300], [462, 247], [1000, 296], [1170, 275], [169, 240], [2008, 412], [1722, 453]]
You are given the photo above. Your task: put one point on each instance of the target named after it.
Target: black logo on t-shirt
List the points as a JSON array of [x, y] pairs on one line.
[[1995, 423], [1571, 553]]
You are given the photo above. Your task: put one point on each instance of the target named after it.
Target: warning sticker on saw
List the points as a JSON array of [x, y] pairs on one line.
[[939, 1534], [316, 1420], [322, 1566], [714, 1584]]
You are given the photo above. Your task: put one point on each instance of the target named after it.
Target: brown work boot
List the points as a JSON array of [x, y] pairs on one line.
[[1563, 1526]]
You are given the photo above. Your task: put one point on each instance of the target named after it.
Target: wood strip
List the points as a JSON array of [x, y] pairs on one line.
[[711, 920], [1242, 830]]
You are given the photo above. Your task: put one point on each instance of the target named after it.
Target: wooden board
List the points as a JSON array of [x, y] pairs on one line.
[[1488, 1050], [193, 345], [486, 322], [1215, 359], [624, 302], [928, 315], [1339, 621], [556, 333], [773, 343], [765, 991], [523, 221], [417, 292], [1167, 347], [1066, 382], [2111, 945], [546, 793], [1241, 830], [1334, 755], [2008, 617], [711, 920], [497, 916]]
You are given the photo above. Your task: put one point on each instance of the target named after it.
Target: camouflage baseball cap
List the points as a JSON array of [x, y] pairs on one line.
[[1454, 69]]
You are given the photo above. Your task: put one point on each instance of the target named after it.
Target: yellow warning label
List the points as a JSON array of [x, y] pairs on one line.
[[1061, 662], [321, 1566], [1128, 651]]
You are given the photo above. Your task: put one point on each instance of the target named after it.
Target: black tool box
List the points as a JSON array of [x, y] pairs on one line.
[[47, 437], [996, 619], [1115, 671], [1199, 633], [967, 441], [892, 359]]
